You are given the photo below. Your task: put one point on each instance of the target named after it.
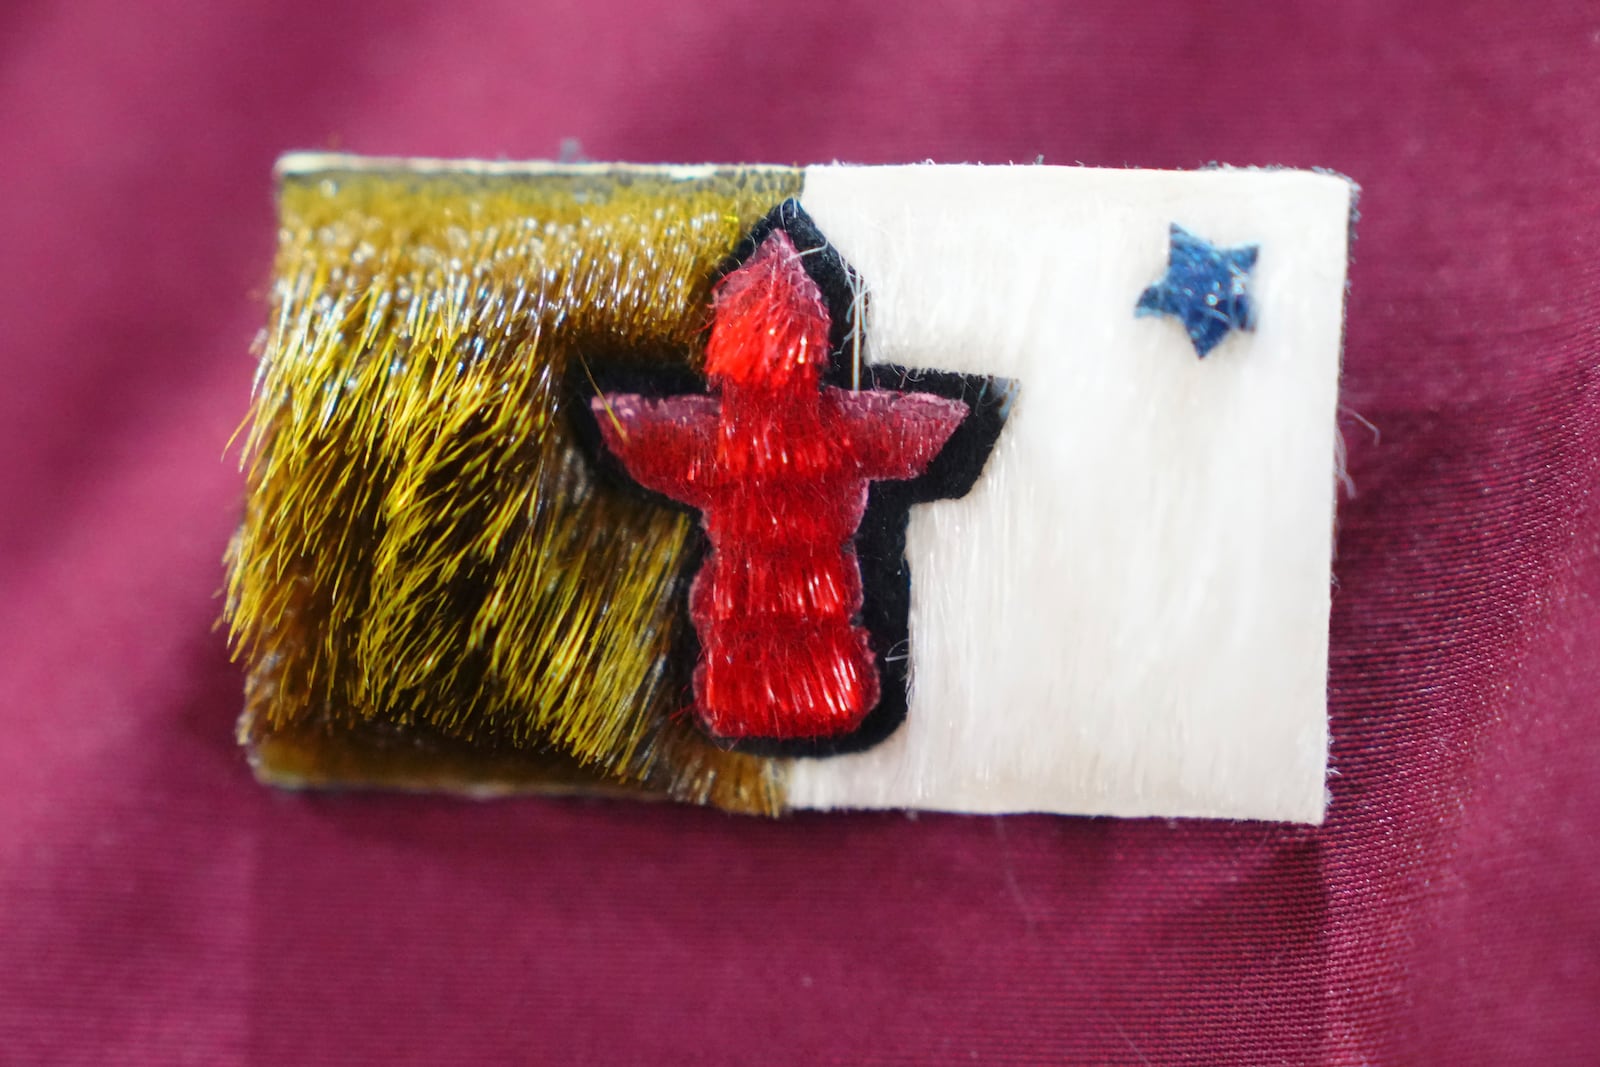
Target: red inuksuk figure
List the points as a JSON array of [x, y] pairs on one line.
[[778, 463]]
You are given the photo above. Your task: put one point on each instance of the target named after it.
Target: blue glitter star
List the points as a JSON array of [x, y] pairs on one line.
[[1206, 287]]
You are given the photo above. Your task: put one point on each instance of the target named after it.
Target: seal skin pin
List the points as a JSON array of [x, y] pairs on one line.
[[599, 479]]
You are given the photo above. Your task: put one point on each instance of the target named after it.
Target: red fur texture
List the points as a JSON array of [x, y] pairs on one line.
[[778, 465]]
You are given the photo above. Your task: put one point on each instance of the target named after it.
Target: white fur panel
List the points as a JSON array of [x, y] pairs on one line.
[[1129, 614]]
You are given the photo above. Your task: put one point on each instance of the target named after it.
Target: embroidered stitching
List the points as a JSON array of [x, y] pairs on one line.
[[1205, 287], [781, 463]]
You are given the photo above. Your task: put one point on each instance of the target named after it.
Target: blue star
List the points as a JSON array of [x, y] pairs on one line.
[[1206, 287]]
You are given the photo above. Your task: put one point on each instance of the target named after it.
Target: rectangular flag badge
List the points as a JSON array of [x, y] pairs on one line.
[[959, 488]]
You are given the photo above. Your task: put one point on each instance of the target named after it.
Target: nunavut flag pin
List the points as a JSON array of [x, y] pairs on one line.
[[957, 488]]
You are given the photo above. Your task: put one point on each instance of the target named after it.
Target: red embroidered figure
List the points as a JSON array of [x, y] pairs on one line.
[[778, 463]]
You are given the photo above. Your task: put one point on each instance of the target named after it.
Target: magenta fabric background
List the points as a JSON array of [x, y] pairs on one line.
[[157, 906]]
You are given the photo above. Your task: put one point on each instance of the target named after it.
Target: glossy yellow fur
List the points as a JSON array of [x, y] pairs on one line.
[[425, 557]]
